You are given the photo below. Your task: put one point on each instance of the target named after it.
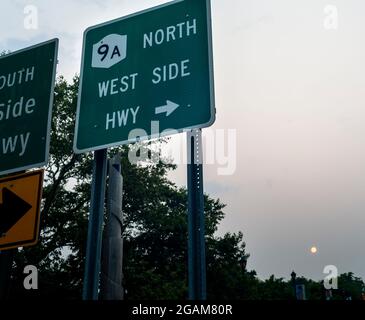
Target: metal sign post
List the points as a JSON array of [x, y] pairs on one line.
[[196, 223], [94, 237]]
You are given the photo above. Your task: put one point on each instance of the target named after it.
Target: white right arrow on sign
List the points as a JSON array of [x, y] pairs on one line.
[[169, 108]]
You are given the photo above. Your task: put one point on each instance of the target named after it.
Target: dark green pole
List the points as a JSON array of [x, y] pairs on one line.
[[196, 223], [94, 237]]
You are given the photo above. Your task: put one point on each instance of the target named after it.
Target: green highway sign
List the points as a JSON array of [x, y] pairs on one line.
[[27, 80], [146, 75]]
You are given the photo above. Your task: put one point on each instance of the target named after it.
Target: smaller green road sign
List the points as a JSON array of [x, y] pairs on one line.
[[27, 79], [146, 75]]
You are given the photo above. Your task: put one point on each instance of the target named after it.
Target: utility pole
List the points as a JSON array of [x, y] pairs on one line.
[[112, 255]]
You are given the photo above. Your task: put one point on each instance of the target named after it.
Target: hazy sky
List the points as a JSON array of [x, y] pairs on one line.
[[294, 92]]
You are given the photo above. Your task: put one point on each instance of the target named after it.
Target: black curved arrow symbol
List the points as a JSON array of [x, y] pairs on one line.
[[12, 210]]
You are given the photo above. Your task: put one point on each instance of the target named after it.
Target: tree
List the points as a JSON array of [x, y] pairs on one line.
[[275, 289], [349, 287], [64, 207], [227, 277]]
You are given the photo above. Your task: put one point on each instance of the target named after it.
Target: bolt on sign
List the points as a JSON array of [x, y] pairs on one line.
[[146, 75], [20, 201], [27, 80]]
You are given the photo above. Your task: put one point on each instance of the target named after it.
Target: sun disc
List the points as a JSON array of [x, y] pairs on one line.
[[314, 250]]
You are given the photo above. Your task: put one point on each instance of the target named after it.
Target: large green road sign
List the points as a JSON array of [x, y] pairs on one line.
[[27, 80], [146, 75]]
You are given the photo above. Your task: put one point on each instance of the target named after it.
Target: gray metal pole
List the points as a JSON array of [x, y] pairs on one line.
[[196, 222], [112, 256], [94, 238]]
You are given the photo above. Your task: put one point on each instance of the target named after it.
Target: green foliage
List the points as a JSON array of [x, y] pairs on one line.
[[349, 287], [276, 289], [61, 249], [226, 265]]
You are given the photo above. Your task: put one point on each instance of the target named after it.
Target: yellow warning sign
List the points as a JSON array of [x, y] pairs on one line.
[[20, 202]]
